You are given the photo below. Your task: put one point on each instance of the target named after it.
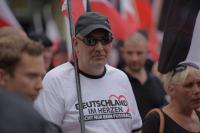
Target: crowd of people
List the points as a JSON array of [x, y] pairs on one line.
[[38, 91]]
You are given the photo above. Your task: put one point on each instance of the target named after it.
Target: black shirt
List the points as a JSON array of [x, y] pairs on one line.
[[151, 124], [149, 95]]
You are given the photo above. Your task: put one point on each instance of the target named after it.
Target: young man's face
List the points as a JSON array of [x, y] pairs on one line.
[[28, 75], [93, 56], [135, 55]]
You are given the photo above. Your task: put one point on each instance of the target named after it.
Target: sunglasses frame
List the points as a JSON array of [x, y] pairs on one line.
[[96, 40], [182, 67]]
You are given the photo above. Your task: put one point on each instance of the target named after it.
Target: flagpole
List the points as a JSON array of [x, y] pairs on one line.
[[78, 86]]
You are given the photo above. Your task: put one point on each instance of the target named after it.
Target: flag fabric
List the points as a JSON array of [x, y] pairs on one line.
[[163, 13], [3, 22], [52, 30], [181, 35], [78, 7], [128, 12], [144, 11], [153, 43], [118, 24], [53, 33], [6, 16]]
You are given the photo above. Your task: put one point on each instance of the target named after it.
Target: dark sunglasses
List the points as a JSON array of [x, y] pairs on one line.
[[182, 67], [92, 41]]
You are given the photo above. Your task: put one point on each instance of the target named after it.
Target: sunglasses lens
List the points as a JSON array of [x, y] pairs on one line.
[[106, 40], [91, 41]]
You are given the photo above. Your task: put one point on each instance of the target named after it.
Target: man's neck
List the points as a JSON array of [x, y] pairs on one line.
[[141, 75], [94, 71]]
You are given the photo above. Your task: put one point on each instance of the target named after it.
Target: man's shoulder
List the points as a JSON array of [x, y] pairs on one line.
[[64, 72], [117, 75], [61, 69], [153, 78], [19, 114], [151, 75], [113, 70]]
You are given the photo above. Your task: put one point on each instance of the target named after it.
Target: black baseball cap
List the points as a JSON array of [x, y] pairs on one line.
[[91, 21]]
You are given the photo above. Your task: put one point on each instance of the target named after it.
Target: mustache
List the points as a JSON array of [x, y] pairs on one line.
[[99, 54]]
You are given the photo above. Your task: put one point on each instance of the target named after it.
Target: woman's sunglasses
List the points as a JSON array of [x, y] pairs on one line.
[[182, 67]]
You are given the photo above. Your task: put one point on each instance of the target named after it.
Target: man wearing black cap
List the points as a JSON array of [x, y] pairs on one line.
[[108, 101]]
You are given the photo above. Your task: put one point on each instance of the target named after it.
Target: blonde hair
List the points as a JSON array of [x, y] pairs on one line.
[[174, 78]]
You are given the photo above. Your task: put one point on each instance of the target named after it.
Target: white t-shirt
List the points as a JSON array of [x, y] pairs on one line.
[[108, 101]]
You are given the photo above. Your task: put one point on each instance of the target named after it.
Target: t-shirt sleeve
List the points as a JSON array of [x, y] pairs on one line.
[[151, 123], [49, 103]]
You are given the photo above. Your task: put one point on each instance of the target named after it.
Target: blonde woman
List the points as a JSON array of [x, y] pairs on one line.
[[180, 116]]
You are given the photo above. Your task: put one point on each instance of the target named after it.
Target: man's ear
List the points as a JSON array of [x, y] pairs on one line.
[[75, 45], [3, 77], [74, 42]]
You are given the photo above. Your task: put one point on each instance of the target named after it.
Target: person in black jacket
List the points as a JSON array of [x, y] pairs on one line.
[[18, 116]]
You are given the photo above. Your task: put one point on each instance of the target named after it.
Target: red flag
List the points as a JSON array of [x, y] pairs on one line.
[[153, 44], [51, 27], [3, 23], [117, 22], [129, 14], [78, 8], [145, 13]]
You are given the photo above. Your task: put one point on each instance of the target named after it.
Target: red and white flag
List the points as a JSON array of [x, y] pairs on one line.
[[118, 24], [51, 27], [78, 7], [3, 22], [144, 11], [130, 15], [6, 16]]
